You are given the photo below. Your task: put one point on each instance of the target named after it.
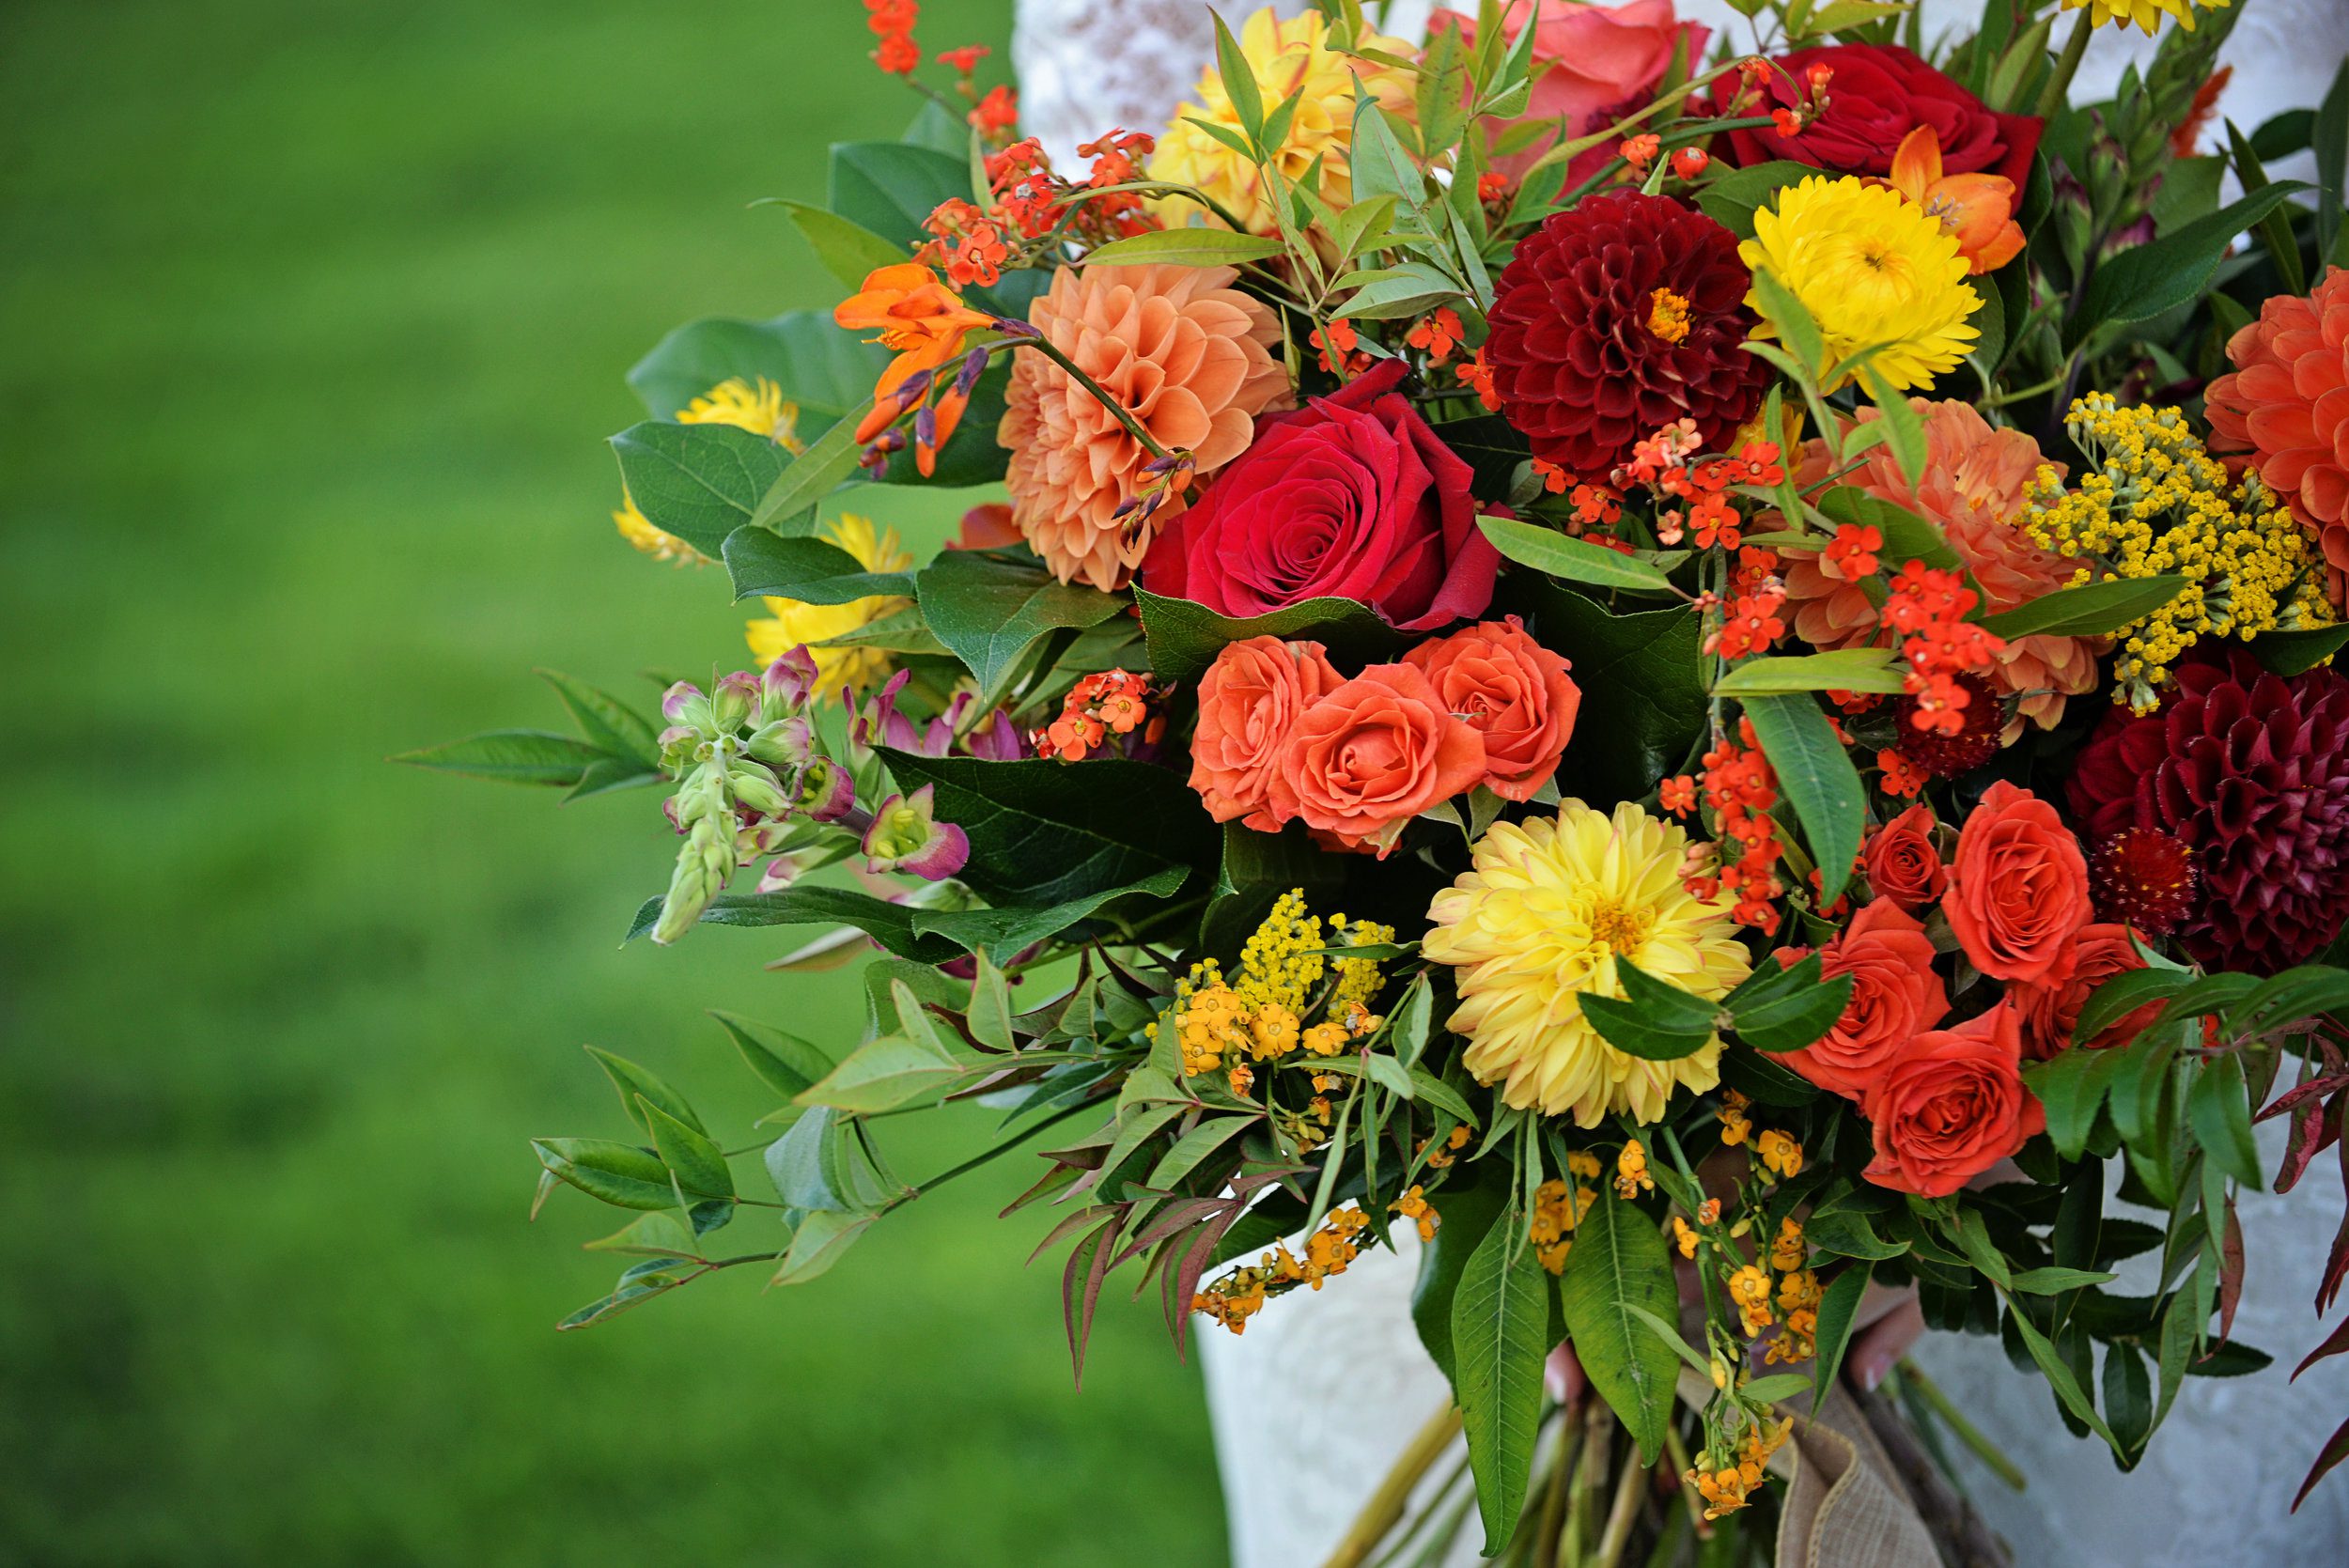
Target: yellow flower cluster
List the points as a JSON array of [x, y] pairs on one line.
[[788, 623], [1413, 1206], [1259, 1014], [1724, 1486], [2157, 503], [1798, 1296], [1631, 1177], [1241, 1294], [1557, 1209]]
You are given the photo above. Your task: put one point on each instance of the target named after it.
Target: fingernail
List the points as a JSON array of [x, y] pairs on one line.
[[1871, 1374]]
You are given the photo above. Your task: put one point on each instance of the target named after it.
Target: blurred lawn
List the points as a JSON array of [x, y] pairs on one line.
[[314, 317]]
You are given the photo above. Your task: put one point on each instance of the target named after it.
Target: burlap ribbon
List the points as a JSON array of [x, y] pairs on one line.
[[1845, 1506]]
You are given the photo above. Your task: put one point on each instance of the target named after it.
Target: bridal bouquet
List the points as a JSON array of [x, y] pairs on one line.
[[1677, 672]]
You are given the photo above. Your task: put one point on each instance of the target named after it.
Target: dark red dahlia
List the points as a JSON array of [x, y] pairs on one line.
[[2144, 878], [1945, 756], [2251, 772], [1614, 319]]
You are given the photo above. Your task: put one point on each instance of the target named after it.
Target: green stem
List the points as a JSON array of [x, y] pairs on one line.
[[2067, 65], [1954, 1418], [993, 1152]]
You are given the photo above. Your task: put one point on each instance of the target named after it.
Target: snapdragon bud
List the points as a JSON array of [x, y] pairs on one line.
[[757, 787], [734, 702], [704, 863], [906, 835], [786, 683], [683, 704], [827, 792], [784, 743]]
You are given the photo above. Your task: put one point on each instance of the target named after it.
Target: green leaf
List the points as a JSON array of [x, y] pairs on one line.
[[1816, 775], [848, 250], [1183, 247], [1732, 200], [1436, 1092], [2147, 280], [2063, 1088], [1671, 1336], [1044, 833], [1838, 1308], [820, 1163], [2219, 1108], [1380, 167], [890, 924], [619, 1174], [2123, 995], [1796, 1018], [1136, 1125], [1546, 549], [511, 756], [657, 1234], [634, 1082], [2289, 653], [888, 188], [700, 482], [1626, 1027], [1239, 78], [1499, 1337], [999, 932], [784, 1062], [990, 611], [1907, 535], [817, 1244], [605, 720], [1643, 702], [2051, 1282], [821, 368], [1907, 431], [1414, 289], [1843, 670], [2059, 1373], [2090, 610], [2329, 138], [813, 571], [1785, 310], [697, 1162], [2297, 993], [1185, 637], [788, 504], [884, 1074], [1255, 870], [1618, 1261], [1193, 1147], [1468, 1206]]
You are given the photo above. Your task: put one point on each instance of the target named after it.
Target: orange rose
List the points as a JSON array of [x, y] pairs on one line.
[[2050, 1012], [1901, 862], [1373, 755], [1512, 690], [1896, 996], [2018, 893], [1249, 702], [1951, 1105]]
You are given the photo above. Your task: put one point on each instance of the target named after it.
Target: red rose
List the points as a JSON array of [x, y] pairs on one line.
[[1366, 758], [1878, 93], [2050, 1012], [2018, 893], [1498, 681], [1951, 1105], [1351, 497], [1901, 862], [1896, 996]]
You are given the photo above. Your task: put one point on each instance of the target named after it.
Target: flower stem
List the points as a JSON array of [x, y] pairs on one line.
[[2067, 65], [1384, 1510], [1954, 1418], [1133, 426]]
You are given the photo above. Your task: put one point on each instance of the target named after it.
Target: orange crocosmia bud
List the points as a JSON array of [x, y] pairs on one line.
[[914, 315], [1979, 208]]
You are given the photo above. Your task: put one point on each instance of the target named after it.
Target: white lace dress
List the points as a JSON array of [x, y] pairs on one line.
[[1312, 1406]]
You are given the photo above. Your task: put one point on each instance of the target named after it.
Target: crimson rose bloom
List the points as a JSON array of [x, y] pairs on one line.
[[1498, 681], [2018, 894], [1351, 497], [1896, 996], [1879, 93], [1613, 319], [1953, 1105]]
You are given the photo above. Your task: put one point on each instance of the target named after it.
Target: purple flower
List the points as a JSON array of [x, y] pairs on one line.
[[827, 793], [788, 681], [682, 703], [906, 835]]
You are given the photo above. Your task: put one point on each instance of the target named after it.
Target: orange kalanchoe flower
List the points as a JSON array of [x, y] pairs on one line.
[[1979, 208], [915, 317]]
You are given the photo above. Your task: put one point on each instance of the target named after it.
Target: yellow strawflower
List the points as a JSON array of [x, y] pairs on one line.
[[789, 622], [1540, 920], [760, 409], [1875, 270], [2146, 14], [1284, 56]]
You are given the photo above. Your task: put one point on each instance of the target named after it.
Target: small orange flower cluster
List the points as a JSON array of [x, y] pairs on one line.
[[1118, 160], [1927, 606], [1668, 464], [1436, 335], [1034, 200], [1340, 347], [1852, 553], [891, 21], [1726, 1487], [1740, 788], [1478, 378], [1639, 151], [1112, 702], [1240, 1294], [1750, 623], [997, 113], [1413, 1206], [977, 253], [1441, 1154], [1558, 1208]]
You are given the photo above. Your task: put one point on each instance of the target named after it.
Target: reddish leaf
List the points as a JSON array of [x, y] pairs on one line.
[[2335, 1343], [1184, 1281], [2230, 1274], [1092, 1255], [2314, 1128], [2335, 1449], [2300, 1093], [1068, 1225], [2336, 1264]]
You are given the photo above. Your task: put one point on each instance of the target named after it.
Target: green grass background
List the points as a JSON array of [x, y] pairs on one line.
[[312, 320]]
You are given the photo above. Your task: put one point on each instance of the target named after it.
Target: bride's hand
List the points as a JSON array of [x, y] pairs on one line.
[[1888, 1323]]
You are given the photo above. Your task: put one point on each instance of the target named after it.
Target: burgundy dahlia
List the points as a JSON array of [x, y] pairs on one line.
[[2251, 772], [1616, 319], [2144, 878], [1946, 756]]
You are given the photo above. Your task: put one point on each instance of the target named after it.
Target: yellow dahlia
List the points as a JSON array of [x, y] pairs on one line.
[[1284, 56], [1540, 920], [2146, 14], [789, 622], [1874, 270], [758, 408]]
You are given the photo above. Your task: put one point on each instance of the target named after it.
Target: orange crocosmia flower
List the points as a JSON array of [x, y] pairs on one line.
[[1979, 208], [914, 315]]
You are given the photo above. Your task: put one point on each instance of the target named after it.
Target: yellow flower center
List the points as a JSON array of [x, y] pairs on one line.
[[1668, 315], [1620, 928]]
